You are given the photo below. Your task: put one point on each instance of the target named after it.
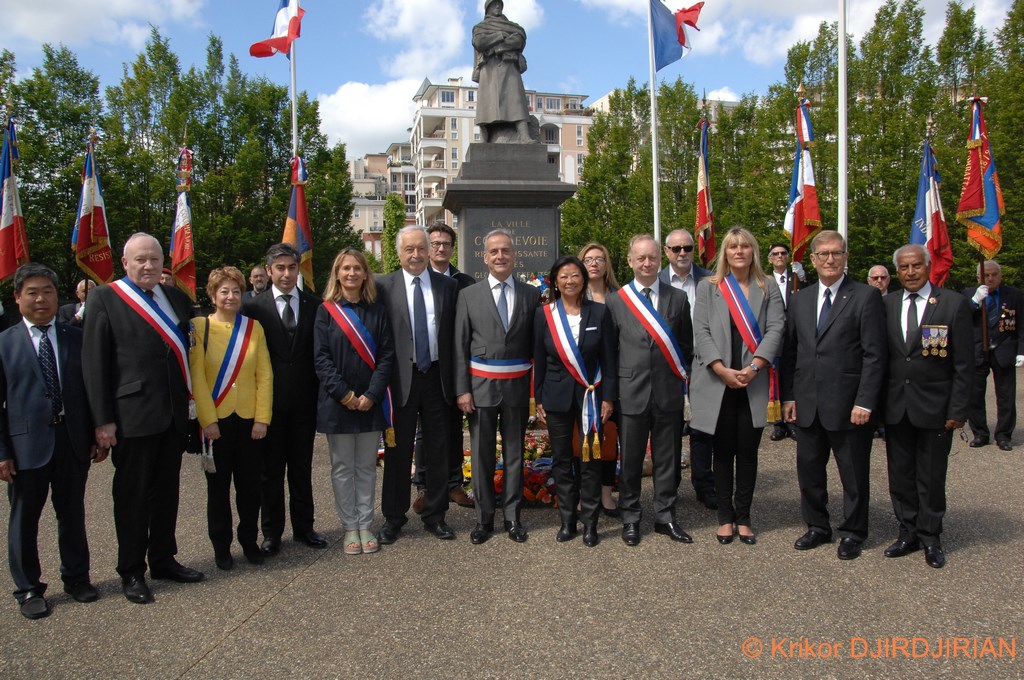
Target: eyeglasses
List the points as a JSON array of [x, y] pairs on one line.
[[676, 249], [826, 254], [594, 260], [778, 253], [440, 245]]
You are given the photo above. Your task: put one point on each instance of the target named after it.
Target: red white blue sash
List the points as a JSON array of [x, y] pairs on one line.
[[238, 345], [746, 322], [147, 308], [359, 335], [499, 369], [569, 353], [652, 322]]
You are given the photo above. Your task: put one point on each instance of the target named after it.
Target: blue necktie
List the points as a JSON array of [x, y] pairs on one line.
[[503, 306], [420, 336], [826, 307]]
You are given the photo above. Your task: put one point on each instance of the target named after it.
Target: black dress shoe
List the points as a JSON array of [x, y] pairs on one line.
[[271, 546], [172, 571], [440, 530], [312, 539], [1004, 445], [978, 442], [631, 534], [253, 554], [812, 539], [567, 532], [590, 537], [902, 547], [136, 590], [83, 591], [849, 549], [672, 530], [480, 533], [516, 531], [388, 533], [610, 512], [35, 606], [779, 433], [934, 557]]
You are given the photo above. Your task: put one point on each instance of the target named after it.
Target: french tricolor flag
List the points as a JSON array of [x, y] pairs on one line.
[[286, 29]]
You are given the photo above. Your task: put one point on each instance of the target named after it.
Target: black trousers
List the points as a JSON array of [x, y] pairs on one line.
[[237, 456], [425, 404], [575, 480], [664, 429], [484, 424], [735, 454], [852, 449], [289, 449], [66, 476], [147, 471], [917, 460], [1005, 380], [456, 453], [701, 475]]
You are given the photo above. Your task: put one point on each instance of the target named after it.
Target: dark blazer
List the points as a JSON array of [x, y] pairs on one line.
[[66, 314], [340, 370], [295, 381], [393, 295], [478, 332], [553, 387], [131, 375], [1008, 344], [930, 389], [828, 375], [644, 375], [25, 431]]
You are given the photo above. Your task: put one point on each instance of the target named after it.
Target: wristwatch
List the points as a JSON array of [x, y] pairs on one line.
[[754, 367]]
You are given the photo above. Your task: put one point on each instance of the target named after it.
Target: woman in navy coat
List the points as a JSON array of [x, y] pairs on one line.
[[573, 336]]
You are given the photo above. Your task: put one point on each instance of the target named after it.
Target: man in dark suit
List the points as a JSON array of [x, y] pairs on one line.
[[287, 315], [73, 313], [684, 275], [46, 440], [258, 279], [493, 348], [135, 359], [1004, 309], [421, 308], [786, 276], [833, 371], [441, 239], [930, 373], [650, 388]]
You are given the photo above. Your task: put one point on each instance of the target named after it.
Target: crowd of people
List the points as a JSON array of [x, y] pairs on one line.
[[617, 373]]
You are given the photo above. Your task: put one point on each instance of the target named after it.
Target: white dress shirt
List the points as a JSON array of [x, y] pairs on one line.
[[783, 282], [654, 291], [36, 335], [277, 292], [821, 295], [687, 284], [510, 294], [921, 302], [428, 299]]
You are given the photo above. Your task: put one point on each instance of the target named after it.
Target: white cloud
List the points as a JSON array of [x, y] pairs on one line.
[[428, 34], [79, 22], [369, 117], [527, 13], [723, 94]]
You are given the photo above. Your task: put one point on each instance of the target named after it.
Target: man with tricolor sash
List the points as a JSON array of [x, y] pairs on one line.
[[135, 364], [493, 353], [655, 346]]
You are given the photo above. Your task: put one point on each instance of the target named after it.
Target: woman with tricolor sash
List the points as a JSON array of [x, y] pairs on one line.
[[737, 331], [354, 355], [233, 385], [574, 375]]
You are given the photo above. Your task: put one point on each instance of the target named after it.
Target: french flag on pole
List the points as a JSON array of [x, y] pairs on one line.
[[929, 227], [286, 29]]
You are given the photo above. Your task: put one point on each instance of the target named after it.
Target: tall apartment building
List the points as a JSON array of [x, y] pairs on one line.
[[374, 176], [444, 126]]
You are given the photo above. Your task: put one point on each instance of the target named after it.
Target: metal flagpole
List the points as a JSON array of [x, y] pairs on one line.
[[655, 169], [295, 110], [843, 141]]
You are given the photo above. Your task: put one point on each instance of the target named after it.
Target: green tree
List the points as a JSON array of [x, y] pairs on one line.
[[394, 219]]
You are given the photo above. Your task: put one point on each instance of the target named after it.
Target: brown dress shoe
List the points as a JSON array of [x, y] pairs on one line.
[[459, 496], [420, 504]]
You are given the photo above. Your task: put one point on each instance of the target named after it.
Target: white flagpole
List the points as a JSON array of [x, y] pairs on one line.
[[843, 135], [655, 169], [295, 110]]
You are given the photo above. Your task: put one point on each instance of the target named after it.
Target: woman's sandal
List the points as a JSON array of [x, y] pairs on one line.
[[369, 541], [352, 544]]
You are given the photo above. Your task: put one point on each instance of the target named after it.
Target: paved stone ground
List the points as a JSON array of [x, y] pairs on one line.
[[424, 607]]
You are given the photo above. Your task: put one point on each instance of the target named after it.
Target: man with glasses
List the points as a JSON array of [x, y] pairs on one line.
[[684, 275], [784, 276], [878, 276], [833, 372]]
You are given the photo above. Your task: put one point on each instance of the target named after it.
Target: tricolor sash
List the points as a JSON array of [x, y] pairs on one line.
[[359, 335], [746, 322], [652, 322], [569, 353], [238, 345], [499, 369], [147, 308]]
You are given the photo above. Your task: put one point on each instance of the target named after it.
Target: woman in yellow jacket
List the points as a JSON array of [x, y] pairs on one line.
[[232, 383]]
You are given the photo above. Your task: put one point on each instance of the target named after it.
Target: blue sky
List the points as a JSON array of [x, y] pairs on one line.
[[364, 59]]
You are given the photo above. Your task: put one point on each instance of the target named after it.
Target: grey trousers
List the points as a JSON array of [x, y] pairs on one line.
[[354, 477]]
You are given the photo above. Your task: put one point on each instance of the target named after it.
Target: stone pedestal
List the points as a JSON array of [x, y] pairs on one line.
[[509, 186]]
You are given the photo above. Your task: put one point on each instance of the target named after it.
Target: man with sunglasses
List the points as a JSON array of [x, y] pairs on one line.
[[683, 274], [878, 276], [784, 275]]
